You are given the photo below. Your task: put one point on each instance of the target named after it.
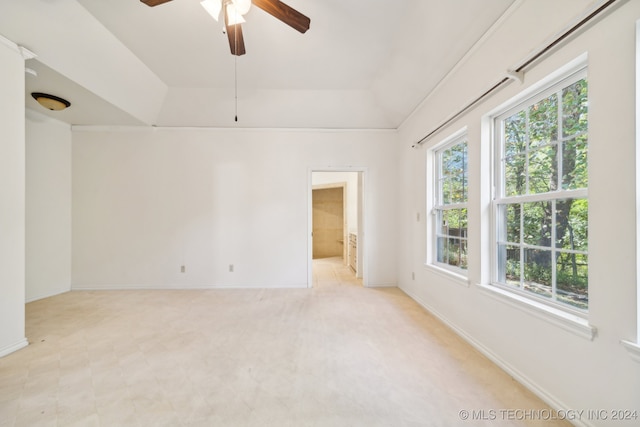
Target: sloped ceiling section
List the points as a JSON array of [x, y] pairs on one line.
[[75, 46], [86, 109], [363, 63]]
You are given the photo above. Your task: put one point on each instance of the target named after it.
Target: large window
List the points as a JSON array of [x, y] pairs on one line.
[[450, 205], [540, 202]]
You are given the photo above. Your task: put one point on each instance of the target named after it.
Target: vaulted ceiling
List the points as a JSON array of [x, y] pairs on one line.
[[363, 63]]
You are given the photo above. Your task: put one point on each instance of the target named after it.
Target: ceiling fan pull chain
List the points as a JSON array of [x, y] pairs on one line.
[[235, 72], [236, 84]]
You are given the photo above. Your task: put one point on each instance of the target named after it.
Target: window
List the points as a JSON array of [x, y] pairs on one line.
[[540, 203], [450, 204]]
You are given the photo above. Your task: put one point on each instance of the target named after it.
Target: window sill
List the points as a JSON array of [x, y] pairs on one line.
[[633, 349], [557, 317], [457, 278]]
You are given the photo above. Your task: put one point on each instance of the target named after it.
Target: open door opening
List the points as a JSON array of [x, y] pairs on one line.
[[329, 221], [336, 222]]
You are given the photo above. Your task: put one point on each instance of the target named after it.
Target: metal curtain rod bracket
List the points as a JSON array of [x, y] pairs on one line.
[[516, 75]]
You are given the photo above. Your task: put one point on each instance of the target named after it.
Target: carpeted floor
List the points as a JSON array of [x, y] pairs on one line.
[[334, 355]]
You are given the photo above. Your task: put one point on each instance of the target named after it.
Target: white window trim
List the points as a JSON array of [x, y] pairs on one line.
[[457, 275], [634, 347], [449, 273], [561, 317]]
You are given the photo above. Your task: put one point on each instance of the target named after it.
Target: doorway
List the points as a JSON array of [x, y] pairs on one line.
[[336, 220], [329, 221]]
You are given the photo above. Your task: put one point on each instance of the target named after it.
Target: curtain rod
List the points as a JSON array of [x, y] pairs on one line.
[[518, 72]]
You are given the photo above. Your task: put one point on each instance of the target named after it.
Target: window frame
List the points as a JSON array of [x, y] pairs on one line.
[[633, 345], [555, 83], [435, 204]]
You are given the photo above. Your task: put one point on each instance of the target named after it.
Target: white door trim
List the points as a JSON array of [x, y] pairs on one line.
[[362, 220]]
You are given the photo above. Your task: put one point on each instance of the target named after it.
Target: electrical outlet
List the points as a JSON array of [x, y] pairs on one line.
[[413, 275], [230, 268], [183, 269]]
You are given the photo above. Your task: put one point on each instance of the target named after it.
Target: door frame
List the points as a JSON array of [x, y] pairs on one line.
[[362, 271]]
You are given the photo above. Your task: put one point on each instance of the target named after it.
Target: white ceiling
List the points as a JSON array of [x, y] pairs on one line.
[[363, 63]]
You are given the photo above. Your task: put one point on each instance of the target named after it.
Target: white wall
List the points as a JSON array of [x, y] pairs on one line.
[[48, 206], [12, 199], [567, 370], [146, 202]]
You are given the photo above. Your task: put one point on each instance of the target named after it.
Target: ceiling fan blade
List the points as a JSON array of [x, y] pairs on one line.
[[286, 14], [236, 39], [234, 33], [152, 3]]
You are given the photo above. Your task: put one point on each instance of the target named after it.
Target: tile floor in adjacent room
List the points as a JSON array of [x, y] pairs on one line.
[[334, 355]]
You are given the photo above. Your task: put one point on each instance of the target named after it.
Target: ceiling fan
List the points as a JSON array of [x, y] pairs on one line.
[[234, 9]]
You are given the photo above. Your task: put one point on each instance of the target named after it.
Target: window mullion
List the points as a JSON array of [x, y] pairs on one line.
[[440, 181], [553, 252], [560, 144], [527, 141], [559, 187], [464, 175], [451, 206], [542, 197], [521, 244]]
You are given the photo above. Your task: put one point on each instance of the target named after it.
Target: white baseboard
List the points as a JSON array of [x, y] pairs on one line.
[[382, 285], [13, 347], [532, 386], [185, 288], [47, 295]]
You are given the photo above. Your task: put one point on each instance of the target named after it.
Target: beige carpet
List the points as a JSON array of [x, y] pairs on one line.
[[334, 355]]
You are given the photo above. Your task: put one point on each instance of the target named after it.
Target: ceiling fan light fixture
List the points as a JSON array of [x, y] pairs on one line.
[[234, 17], [242, 6], [50, 102], [213, 7], [235, 9]]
